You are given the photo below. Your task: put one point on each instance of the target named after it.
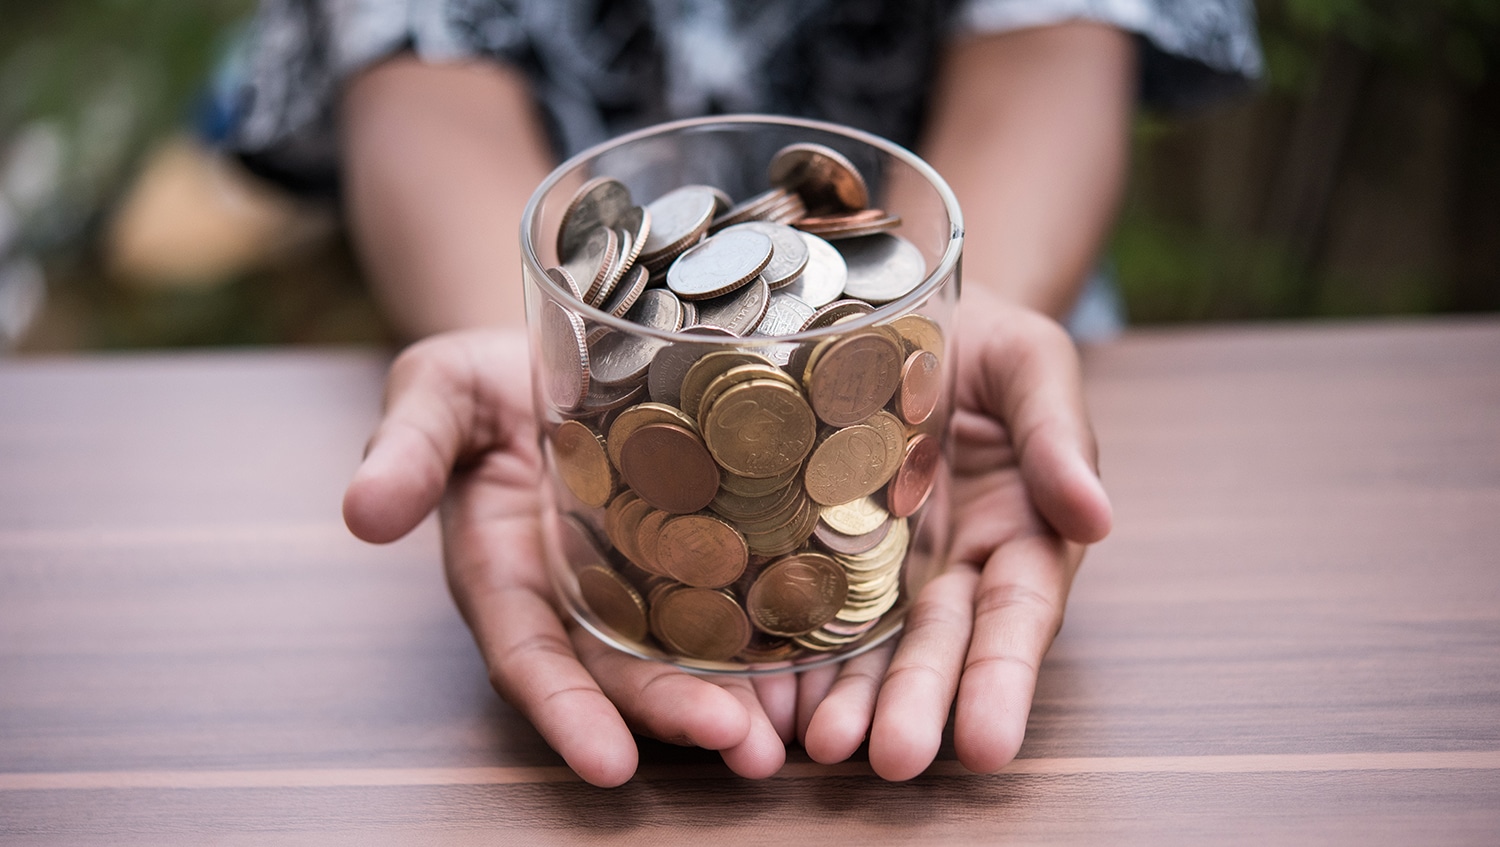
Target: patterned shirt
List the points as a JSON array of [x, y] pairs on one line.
[[599, 68]]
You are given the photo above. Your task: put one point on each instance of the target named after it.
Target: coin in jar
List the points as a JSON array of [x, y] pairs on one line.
[[850, 463], [823, 279], [850, 378], [881, 267], [796, 595], [600, 202], [719, 264], [921, 386], [702, 551], [669, 467], [913, 481], [700, 623], [740, 311], [789, 252], [824, 178], [614, 601], [565, 356], [760, 428], [678, 219], [583, 464], [671, 363]]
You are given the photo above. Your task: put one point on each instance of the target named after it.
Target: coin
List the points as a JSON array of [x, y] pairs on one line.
[[913, 482], [849, 464], [617, 605], [849, 224], [760, 428], [648, 541], [789, 252], [796, 595], [583, 464], [881, 267], [740, 374], [700, 623], [621, 519], [702, 551], [637, 416], [850, 378], [565, 356], [627, 292], [740, 312], [895, 435], [856, 517], [835, 312], [600, 202], [678, 219], [837, 542], [591, 264], [823, 278], [671, 363], [719, 264], [706, 370], [785, 314], [669, 468], [919, 332], [823, 177], [565, 280], [921, 386]]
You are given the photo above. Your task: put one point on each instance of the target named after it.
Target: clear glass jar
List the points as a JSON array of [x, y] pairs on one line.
[[751, 503]]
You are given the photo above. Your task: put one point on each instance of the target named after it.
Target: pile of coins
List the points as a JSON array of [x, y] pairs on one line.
[[740, 505]]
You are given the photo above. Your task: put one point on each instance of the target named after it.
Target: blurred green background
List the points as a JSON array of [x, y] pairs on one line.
[[1362, 178]]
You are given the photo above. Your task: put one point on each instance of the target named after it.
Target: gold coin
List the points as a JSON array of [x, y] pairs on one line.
[[735, 376], [583, 464], [856, 517], [700, 623], [891, 429], [919, 332], [760, 428], [850, 463], [703, 372], [785, 539], [746, 486], [617, 605], [622, 519], [739, 508], [797, 594], [850, 378], [637, 416], [702, 551]]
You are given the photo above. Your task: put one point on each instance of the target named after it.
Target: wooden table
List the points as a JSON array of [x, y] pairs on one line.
[[1293, 635]]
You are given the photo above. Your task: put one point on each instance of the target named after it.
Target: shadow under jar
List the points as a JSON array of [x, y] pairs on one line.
[[742, 353]]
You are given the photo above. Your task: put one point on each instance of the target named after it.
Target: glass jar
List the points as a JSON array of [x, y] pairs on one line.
[[724, 494]]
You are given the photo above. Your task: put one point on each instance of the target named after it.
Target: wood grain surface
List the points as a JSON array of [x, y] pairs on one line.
[[1292, 636]]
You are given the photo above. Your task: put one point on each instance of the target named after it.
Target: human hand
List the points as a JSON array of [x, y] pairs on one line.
[[459, 430], [1026, 499]]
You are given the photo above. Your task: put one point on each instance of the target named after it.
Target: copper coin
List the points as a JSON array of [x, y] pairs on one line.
[[648, 541], [824, 177], [853, 377], [669, 467], [701, 551], [600, 202], [638, 416], [746, 486], [760, 428], [700, 623], [617, 605], [921, 386], [849, 464], [913, 481], [621, 519], [849, 224], [583, 464], [797, 594], [565, 357], [719, 264]]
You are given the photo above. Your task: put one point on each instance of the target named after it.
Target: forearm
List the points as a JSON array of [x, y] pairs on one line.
[[439, 161], [1031, 129]]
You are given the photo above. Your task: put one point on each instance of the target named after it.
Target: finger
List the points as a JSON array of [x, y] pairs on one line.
[[1018, 611], [917, 692], [812, 687], [763, 751], [663, 702], [1026, 374], [532, 665], [439, 408], [838, 722], [777, 694]]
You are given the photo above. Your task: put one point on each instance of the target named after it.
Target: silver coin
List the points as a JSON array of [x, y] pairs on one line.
[[788, 253], [565, 280], [671, 363], [719, 264], [678, 218], [627, 291], [838, 310], [882, 267], [785, 315], [600, 202], [565, 356], [617, 357], [617, 268], [593, 261], [822, 281], [740, 312]]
